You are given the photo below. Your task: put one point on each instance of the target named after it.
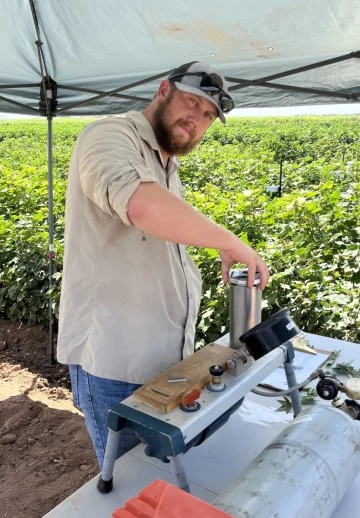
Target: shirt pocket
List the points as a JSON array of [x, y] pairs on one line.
[[148, 237], [160, 244]]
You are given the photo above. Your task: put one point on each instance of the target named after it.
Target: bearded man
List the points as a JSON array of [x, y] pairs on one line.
[[130, 292]]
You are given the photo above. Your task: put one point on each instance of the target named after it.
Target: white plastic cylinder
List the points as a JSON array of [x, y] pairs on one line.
[[304, 472]]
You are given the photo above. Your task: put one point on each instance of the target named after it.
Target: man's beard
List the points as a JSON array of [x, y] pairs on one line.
[[164, 135]]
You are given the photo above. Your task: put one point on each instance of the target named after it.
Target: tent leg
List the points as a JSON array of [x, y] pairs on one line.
[[51, 255]]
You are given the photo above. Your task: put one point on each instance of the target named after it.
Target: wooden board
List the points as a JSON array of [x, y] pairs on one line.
[[164, 396]]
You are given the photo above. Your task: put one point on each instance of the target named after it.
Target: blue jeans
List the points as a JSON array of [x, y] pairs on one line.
[[94, 397]]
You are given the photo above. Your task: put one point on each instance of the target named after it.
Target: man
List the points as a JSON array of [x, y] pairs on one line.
[[131, 293]]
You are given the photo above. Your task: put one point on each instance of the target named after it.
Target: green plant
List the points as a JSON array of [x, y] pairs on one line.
[[309, 237], [309, 398]]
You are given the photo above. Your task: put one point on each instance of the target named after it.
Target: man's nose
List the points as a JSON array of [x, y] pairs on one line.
[[193, 120], [196, 114]]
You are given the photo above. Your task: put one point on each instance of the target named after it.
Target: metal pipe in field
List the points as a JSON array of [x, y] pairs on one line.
[[304, 472]]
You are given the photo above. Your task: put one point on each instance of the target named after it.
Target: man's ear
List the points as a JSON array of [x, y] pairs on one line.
[[164, 90]]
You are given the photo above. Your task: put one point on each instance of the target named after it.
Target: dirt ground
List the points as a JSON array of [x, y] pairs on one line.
[[45, 451]]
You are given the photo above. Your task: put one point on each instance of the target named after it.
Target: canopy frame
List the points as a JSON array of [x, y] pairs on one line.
[[240, 84]]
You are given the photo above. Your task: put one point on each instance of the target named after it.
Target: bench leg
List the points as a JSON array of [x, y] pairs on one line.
[[179, 472], [105, 482]]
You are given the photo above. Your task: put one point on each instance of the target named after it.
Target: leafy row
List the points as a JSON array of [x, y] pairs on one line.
[[309, 236]]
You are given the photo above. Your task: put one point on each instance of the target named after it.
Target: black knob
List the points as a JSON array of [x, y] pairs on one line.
[[327, 389], [216, 370]]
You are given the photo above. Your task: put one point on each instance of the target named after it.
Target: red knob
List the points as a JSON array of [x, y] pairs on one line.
[[190, 398]]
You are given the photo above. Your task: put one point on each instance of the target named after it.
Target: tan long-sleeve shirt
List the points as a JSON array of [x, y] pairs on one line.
[[129, 301]]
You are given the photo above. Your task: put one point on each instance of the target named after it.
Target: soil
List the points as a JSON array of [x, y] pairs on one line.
[[45, 451]]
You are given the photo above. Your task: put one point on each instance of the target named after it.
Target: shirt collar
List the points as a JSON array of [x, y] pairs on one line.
[[147, 133]]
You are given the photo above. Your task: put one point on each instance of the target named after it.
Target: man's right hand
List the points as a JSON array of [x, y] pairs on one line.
[[242, 253]]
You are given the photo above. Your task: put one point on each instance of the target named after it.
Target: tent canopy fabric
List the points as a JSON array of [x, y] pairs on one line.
[[105, 45]]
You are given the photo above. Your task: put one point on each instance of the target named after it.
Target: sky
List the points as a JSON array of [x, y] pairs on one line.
[[325, 109]]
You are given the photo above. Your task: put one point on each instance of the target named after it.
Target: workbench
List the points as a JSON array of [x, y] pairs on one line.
[[211, 466]]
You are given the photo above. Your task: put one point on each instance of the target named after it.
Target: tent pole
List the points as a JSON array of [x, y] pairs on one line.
[[254, 82], [23, 106], [116, 91], [51, 254], [49, 98]]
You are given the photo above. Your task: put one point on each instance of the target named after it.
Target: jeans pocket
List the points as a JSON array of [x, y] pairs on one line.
[[74, 377]]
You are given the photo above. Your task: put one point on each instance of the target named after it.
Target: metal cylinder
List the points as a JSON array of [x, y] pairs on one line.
[[304, 472], [245, 306]]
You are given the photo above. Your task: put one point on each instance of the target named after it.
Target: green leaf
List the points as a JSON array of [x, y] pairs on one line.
[[333, 356], [285, 405], [355, 277]]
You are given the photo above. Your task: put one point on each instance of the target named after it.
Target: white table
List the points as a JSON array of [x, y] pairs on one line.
[[210, 467]]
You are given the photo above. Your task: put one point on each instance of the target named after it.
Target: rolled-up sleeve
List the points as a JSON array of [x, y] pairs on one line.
[[111, 168]]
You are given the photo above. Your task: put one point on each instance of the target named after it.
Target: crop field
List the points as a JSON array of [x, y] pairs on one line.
[[309, 236]]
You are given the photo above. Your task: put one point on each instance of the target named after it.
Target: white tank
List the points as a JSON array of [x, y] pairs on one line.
[[304, 472]]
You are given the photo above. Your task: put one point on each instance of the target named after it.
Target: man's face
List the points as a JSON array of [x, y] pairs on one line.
[[180, 121]]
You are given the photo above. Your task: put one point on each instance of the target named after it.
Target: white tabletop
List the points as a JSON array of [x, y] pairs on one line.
[[211, 466]]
